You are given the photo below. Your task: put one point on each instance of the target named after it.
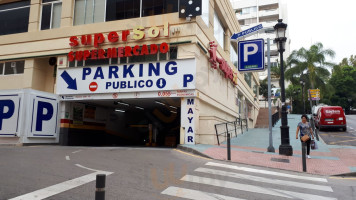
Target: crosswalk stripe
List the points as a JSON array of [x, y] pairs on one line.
[[232, 185], [265, 180], [305, 196], [195, 194], [61, 187], [266, 172], [252, 188]]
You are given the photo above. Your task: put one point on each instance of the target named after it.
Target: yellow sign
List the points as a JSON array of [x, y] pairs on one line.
[[314, 93]]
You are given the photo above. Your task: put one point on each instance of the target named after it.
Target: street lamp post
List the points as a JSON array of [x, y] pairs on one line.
[[302, 83], [285, 148]]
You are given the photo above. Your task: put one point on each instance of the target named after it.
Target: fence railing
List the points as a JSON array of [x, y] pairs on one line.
[[275, 118], [233, 127]]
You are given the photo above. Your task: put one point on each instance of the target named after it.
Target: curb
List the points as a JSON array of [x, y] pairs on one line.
[[351, 174], [193, 151]]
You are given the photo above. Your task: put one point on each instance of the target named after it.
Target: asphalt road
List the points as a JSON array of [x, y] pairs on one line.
[[339, 137], [67, 173]]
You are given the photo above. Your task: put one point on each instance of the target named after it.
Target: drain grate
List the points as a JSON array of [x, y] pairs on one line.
[[258, 151], [280, 160]]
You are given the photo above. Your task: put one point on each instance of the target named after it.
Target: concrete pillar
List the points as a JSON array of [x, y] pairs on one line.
[[28, 73], [35, 16], [67, 13]]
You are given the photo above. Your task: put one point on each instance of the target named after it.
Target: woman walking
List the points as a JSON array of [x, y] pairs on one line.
[[305, 129]]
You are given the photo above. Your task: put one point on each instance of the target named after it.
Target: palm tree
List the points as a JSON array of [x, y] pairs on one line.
[[313, 62]]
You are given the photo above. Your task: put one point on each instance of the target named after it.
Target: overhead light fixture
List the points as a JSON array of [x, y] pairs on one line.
[[139, 108], [173, 107], [117, 110], [160, 103], [173, 112], [125, 104]]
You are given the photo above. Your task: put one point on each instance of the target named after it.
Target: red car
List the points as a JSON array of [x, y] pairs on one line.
[[330, 117]]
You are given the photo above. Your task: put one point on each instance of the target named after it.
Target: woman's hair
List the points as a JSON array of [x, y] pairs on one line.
[[306, 117]]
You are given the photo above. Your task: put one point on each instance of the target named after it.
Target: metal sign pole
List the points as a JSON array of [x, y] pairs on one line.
[[270, 147], [311, 116]]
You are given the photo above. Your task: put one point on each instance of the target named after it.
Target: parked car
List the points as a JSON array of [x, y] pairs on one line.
[[330, 117], [315, 110]]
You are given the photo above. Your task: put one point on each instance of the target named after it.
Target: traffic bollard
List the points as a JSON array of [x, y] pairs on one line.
[[304, 160], [228, 147], [100, 187]]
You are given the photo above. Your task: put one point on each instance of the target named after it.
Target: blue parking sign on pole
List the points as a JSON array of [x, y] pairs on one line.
[[251, 55]]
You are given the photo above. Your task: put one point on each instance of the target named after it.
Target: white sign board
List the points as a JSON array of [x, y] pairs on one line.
[[188, 115], [132, 77], [9, 114], [44, 117]]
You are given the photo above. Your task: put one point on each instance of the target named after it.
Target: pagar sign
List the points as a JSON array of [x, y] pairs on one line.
[[97, 39]]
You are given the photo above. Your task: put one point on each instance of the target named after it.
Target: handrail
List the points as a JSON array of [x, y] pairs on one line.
[[275, 118], [230, 127]]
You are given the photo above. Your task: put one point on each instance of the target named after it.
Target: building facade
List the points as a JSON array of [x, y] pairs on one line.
[[126, 72], [266, 12]]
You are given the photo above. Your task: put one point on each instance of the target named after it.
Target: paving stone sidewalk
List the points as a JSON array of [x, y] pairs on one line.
[[251, 148]]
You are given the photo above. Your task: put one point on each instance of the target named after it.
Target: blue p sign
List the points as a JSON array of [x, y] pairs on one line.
[[42, 115], [251, 55], [10, 105]]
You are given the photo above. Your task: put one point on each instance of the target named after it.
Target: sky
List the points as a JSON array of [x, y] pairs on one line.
[[331, 22]]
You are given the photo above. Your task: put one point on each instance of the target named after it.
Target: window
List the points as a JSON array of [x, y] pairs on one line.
[[205, 12], [158, 7], [248, 78], [250, 21], [51, 14], [14, 17], [233, 55], [13, 67], [122, 9], [1, 68], [89, 11], [219, 33], [249, 10]]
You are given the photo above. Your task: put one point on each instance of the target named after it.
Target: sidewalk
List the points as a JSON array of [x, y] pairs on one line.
[[251, 148]]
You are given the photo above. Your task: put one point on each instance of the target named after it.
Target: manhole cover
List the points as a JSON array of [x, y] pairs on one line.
[[280, 160]]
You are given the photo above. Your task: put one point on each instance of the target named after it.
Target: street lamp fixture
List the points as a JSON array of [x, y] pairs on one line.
[[285, 148]]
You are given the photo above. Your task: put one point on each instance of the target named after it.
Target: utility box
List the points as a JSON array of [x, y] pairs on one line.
[[28, 116]]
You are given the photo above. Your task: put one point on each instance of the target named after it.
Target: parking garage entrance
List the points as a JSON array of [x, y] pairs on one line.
[[137, 122]]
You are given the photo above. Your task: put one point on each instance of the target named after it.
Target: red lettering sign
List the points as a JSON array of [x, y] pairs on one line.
[[223, 65]]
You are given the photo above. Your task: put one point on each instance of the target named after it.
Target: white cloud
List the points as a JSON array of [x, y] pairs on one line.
[[330, 22]]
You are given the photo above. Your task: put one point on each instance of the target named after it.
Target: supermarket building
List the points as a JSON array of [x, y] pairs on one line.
[[120, 72]]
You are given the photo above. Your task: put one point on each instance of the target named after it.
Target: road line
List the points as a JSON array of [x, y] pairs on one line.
[[341, 178], [77, 151], [266, 172], [342, 141], [191, 154], [195, 194], [252, 188], [59, 188], [67, 158], [81, 166], [265, 180]]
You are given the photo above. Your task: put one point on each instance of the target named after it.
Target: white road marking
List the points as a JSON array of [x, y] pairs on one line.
[[59, 188], [77, 151], [195, 194], [67, 158], [266, 172], [232, 185], [81, 166], [252, 188], [265, 180]]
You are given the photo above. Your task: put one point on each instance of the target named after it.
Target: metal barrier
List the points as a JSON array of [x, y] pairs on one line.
[[230, 128], [275, 118]]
